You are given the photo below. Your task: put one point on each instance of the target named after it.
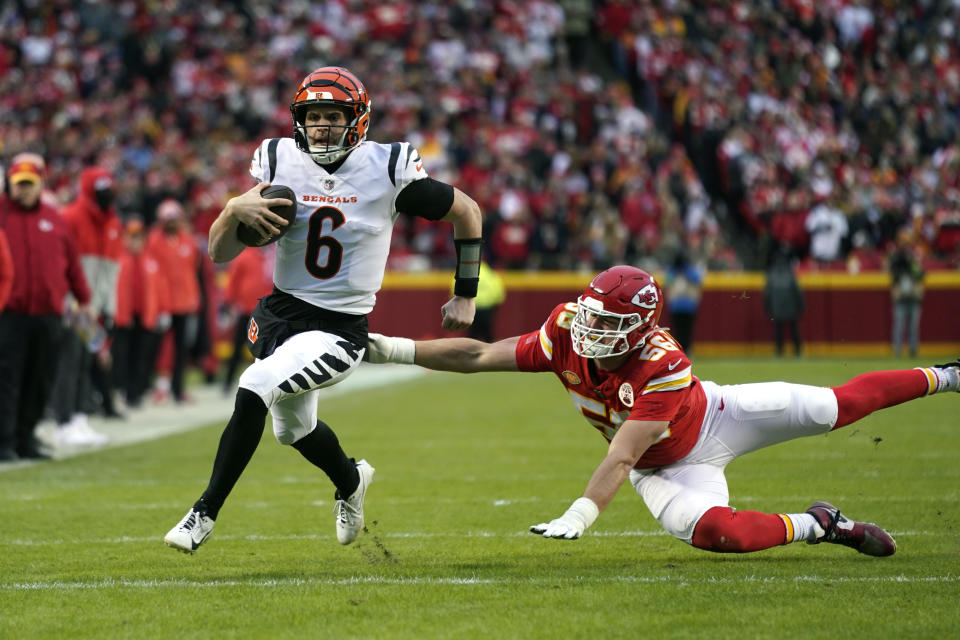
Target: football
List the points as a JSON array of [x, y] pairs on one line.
[[252, 238]]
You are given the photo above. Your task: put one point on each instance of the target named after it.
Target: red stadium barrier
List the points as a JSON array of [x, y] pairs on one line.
[[846, 314]]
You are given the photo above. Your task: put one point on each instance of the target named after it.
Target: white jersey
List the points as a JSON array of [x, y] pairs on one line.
[[335, 253]]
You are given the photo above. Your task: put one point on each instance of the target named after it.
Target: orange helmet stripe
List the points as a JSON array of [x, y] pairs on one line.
[[336, 81]]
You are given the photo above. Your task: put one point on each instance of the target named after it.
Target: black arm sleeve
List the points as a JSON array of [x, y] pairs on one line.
[[426, 198]]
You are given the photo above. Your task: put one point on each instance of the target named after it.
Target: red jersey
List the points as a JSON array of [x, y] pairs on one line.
[[655, 383], [46, 265], [178, 257], [250, 278], [6, 270], [99, 239], [141, 290]]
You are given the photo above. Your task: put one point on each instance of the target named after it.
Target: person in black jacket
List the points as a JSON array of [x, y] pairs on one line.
[[906, 290], [783, 300]]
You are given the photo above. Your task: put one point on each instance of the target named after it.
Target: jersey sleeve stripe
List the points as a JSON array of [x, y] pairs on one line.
[[392, 165], [679, 380], [272, 157], [546, 344]]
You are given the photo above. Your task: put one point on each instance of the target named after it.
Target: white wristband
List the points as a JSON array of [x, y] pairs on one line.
[[404, 351], [585, 510]]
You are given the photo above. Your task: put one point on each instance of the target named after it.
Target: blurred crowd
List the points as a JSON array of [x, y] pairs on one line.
[[592, 132]]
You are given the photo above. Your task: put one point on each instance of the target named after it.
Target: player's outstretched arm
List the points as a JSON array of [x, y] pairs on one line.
[[633, 438], [467, 221], [462, 355]]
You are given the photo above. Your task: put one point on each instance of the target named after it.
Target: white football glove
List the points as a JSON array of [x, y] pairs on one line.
[[571, 524], [382, 349]]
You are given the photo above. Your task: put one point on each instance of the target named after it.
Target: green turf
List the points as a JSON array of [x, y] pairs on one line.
[[464, 465]]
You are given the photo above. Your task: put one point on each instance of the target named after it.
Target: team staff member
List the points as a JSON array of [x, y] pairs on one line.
[[141, 319], [6, 270], [669, 432], [47, 268], [92, 218], [250, 278], [311, 332], [172, 245]]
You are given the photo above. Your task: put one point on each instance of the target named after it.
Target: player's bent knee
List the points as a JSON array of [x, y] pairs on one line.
[[294, 417], [714, 532], [285, 437], [290, 431]]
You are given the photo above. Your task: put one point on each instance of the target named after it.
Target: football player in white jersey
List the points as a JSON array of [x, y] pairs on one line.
[[311, 331], [669, 432]]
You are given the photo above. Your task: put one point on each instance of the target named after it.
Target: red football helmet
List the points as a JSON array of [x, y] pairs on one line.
[[332, 86], [616, 312]]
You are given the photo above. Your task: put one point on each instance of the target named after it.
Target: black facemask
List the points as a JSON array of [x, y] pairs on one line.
[[104, 198]]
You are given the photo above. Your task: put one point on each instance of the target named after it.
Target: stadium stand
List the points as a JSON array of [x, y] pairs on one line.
[[591, 132]]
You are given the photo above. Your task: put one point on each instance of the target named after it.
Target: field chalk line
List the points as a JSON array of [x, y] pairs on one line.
[[121, 583]]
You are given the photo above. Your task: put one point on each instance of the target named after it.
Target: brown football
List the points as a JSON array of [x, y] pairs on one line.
[[248, 236]]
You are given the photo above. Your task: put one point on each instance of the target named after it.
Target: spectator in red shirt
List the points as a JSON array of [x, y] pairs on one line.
[[250, 278], [171, 244], [47, 267], [6, 270], [141, 319]]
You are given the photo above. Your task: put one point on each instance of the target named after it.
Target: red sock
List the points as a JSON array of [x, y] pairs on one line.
[[727, 531], [868, 392]]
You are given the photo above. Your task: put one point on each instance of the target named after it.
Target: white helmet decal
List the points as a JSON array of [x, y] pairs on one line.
[[646, 297]]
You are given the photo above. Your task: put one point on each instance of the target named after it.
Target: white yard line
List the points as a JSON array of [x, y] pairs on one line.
[[121, 583]]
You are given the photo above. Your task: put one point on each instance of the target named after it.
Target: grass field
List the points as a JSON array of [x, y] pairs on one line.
[[464, 465]]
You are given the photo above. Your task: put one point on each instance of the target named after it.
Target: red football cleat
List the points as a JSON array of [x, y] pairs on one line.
[[865, 537]]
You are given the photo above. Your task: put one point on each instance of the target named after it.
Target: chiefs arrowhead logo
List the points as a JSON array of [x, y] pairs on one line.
[[647, 297], [253, 331], [626, 394]]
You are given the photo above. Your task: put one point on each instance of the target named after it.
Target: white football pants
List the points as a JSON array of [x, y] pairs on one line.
[[289, 380], [739, 419]]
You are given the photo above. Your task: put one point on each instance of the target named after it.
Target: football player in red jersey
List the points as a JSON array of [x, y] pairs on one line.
[[669, 432]]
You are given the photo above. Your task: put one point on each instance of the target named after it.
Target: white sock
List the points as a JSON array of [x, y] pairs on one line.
[[942, 379], [805, 526], [950, 378]]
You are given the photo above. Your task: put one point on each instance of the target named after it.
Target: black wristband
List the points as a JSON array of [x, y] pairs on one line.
[[467, 276]]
